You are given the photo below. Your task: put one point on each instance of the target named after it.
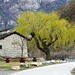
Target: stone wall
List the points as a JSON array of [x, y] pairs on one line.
[[12, 45]]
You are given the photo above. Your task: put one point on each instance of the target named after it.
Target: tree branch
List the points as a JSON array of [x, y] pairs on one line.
[[42, 41], [38, 45], [51, 42]]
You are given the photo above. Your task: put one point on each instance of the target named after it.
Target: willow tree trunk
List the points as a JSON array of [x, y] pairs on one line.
[[48, 54], [45, 46]]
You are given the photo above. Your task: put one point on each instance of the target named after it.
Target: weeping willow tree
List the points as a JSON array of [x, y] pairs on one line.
[[46, 30]]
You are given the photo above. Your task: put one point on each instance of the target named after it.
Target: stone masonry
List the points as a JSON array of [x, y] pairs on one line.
[[12, 46]]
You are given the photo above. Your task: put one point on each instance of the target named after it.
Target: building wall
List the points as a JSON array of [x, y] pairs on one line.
[[11, 46]]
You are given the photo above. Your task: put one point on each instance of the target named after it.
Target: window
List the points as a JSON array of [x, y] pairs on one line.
[[0, 46]]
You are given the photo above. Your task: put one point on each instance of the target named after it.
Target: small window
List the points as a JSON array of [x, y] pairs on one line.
[[0, 46]]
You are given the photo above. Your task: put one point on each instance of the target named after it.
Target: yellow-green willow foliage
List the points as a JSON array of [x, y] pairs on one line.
[[46, 25]]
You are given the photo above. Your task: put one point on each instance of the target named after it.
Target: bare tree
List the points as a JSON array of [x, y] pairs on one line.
[[20, 43]]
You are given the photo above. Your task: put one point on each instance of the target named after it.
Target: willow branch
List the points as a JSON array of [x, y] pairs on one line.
[[51, 42]]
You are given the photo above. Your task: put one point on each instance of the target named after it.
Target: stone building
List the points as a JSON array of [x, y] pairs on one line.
[[12, 44]]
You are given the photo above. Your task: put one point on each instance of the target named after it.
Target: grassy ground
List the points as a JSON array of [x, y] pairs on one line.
[[7, 66]]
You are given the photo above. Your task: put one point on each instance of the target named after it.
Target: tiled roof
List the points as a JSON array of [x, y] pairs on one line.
[[2, 36]]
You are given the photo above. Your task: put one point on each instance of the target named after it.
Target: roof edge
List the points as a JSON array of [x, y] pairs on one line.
[[17, 34]]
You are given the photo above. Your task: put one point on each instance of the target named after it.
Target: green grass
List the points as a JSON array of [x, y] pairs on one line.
[[7, 66], [4, 65]]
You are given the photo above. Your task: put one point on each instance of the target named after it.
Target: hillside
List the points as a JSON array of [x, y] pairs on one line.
[[11, 9]]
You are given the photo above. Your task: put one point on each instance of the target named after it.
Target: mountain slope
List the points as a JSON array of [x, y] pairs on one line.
[[11, 9]]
